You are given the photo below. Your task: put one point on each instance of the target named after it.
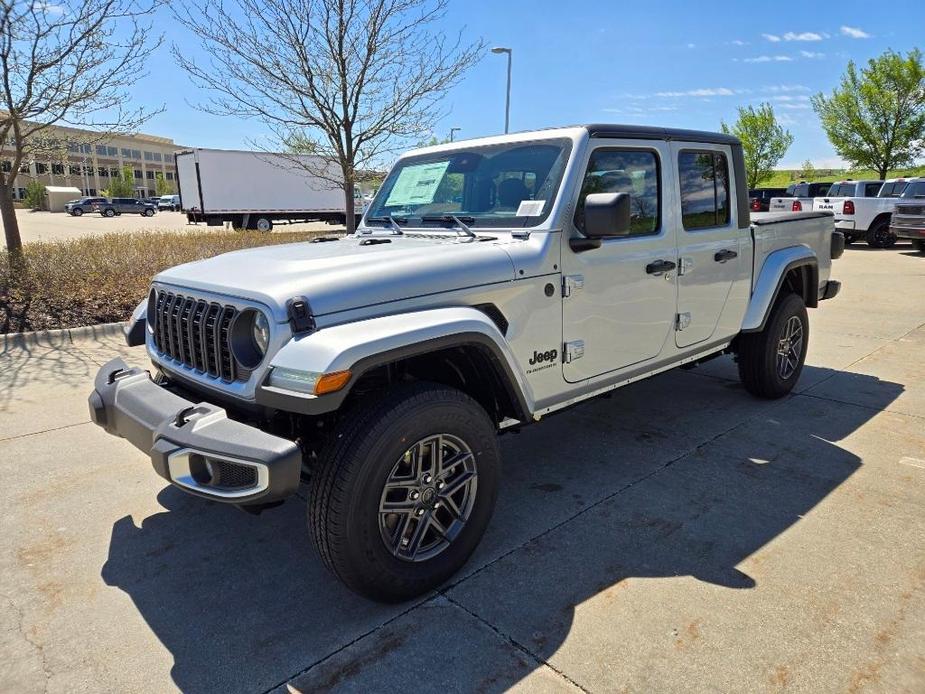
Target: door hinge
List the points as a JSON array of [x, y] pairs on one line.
[[574, 350], [682, 320], [572, 283]]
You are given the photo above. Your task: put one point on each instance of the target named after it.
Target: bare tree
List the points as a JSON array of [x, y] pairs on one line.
[[349, 81], [65, 63]]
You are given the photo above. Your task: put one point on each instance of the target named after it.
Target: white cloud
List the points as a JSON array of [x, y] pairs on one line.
[[787, 88], [794, 36], [708, 91], [854, 33], [739, 42], [811, 54], [769, 59]]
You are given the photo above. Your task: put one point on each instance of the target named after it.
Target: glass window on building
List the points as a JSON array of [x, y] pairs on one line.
[[41, 168], [22, 193], [150, 175], [111, 151], [88, 170], [114, 171], [169, 175], [137, 173], [6, 166], [126, 152], [24, 168], [157, 156], [74, 169], [101, 149], [91, 191], [136, 154], [57, 169], [149, 156], [102, 172], [86, 149]]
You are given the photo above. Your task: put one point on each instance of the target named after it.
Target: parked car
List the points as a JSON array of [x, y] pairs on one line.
[[382, 365], [908, 221], [859, 211], [760, 198], [76, 208], [116, 206], [894, 187], [168, 202], [798, 197]]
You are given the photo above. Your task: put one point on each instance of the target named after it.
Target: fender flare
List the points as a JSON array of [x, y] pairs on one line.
[[363, 345], [770, 280]]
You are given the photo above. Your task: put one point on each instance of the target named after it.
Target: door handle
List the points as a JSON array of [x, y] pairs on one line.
[[724, 255], [657, 267]]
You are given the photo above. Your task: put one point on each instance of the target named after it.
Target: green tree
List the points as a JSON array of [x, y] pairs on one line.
[[161, 186], [764, 141], [809, 171], [875, 119], [35, 195], [122, 186]]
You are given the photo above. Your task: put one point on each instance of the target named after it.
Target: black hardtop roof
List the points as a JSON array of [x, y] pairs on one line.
[[648, 132]]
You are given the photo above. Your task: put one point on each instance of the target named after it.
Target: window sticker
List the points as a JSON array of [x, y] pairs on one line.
[[416, 185], [531, 208]]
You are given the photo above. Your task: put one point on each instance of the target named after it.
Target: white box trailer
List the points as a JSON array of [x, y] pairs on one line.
[[252, 190]]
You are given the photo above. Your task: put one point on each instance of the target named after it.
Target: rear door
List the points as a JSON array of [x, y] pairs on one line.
[[708, 238], [620, 306]]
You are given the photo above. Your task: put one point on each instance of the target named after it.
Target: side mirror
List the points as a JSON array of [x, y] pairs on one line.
[[607, 214]]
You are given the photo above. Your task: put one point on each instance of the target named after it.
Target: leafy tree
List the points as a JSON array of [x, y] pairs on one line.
[[122, 186], [350, 81], [161, 186], [809, 171], [875, 119], [764, 141], [64, 62], [35, 195]]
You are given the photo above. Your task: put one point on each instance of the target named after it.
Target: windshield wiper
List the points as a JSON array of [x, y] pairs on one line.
[[460, 222], [391, 221]]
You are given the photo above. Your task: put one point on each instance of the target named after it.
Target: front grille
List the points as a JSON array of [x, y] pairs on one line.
[[195, 333], [232, 475]]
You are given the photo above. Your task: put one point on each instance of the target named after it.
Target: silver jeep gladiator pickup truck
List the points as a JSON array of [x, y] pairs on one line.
[[491, 283]]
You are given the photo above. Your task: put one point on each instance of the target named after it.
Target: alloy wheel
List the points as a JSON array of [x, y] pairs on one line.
[[428, 497], [789, 347]]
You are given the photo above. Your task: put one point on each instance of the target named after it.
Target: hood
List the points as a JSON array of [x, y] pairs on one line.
[[346, 274]]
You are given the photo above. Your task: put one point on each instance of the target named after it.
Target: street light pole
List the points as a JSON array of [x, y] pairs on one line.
[[452, 132], [507, 102]]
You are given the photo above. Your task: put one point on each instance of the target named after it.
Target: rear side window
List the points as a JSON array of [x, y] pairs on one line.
[[871, 189], [841, 190], [704, 178], [625, 171], [892, 190]]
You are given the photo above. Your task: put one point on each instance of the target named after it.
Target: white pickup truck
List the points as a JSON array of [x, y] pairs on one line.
[[492, 283], [799, 197], [860, 212]]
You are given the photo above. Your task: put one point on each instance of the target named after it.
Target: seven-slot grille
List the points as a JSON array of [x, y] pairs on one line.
[[195, 333]]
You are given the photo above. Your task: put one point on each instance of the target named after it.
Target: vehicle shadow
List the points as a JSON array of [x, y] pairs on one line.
[[242, 603]]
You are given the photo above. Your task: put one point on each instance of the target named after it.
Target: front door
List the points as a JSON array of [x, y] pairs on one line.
[[709, 256], [620, 298]]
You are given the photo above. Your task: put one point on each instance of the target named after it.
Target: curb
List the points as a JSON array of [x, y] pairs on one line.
[[58, 338]]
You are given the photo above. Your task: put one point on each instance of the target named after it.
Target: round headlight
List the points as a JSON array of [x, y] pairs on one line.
[[261, 333], [250, 337]]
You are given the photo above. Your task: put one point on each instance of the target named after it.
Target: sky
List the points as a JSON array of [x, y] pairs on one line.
[[672, 63]]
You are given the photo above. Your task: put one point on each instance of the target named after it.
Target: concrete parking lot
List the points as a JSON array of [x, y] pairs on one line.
[[678, 536], [58, 226]]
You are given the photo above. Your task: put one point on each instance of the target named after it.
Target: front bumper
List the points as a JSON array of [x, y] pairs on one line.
[[195, 446], [904, 232]]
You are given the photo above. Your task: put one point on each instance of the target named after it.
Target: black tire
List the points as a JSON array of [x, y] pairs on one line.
[[347, 489], [758, 352], [919, 245], [880, 236], [263, 225], [148, 213], [109, 213], [77, 212]]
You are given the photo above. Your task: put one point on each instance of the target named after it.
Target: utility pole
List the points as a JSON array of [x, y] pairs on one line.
[[507, 102]]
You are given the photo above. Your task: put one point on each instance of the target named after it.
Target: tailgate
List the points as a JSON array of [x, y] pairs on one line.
[[828, 205], [780, 205]]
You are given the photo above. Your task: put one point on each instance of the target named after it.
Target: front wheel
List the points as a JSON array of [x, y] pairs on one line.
[[109, 213], [77, 212], [405, 490], [770, 362], [880, 236], [148, 213]]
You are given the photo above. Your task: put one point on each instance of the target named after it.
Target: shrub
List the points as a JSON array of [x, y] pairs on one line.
[[100, 279], [35, 195]]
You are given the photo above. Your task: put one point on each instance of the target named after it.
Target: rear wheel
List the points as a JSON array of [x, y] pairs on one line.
[[770, 362], [263, 224], [880, 236], [403, 494], [148, 213]]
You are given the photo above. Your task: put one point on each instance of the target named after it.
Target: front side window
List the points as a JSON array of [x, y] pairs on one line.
[[624, 171], [512, 184], [916, 189], [704, 178]]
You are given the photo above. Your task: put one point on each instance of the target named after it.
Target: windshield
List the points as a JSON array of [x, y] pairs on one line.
[[511, 184]]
